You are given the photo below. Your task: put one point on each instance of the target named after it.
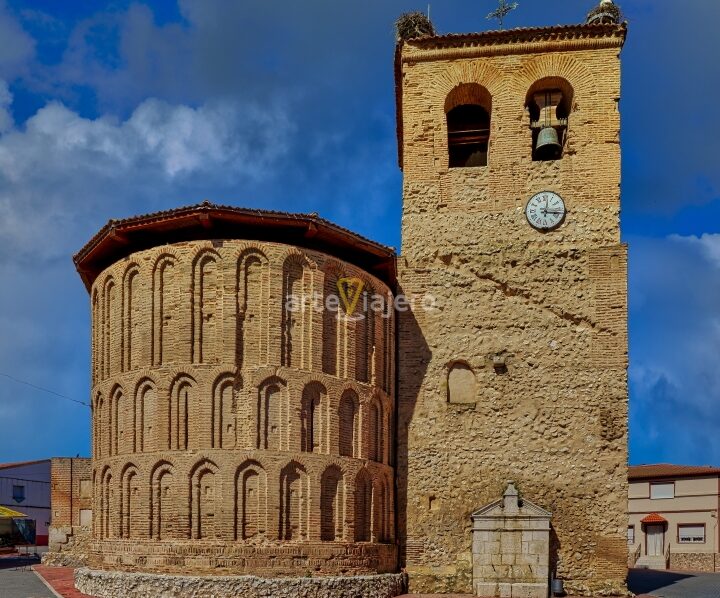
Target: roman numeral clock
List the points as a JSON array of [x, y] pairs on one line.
[[545, 211]]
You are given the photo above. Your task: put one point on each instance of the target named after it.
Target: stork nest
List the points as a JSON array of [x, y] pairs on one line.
[[413, 24], [606, 14]]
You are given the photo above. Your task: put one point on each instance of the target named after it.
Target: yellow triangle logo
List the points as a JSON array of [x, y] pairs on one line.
[[350, 290]]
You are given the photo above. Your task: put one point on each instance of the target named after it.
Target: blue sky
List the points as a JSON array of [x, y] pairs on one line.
[[109, 109]]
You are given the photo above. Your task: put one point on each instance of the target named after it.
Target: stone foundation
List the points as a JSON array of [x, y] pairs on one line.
[[695, 561], [140, 585]]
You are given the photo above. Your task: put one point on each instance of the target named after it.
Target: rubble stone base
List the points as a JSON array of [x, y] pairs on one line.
[[110, 584]]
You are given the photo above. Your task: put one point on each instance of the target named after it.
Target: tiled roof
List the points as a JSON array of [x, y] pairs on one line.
[[119, 238], [667, 470], [653, 518], [21, 463], [520, 34]]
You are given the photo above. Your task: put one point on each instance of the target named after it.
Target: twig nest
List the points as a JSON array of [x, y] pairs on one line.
[[606, 13], [413, 24]]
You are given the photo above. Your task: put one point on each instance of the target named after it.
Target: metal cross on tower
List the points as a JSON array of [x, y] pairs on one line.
[[502, 11]]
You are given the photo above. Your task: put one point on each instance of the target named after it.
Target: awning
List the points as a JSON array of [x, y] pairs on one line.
[[654, 518], [6, 513]]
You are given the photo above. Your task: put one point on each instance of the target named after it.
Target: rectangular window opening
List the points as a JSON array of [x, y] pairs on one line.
[[691, 534], [662, 490]]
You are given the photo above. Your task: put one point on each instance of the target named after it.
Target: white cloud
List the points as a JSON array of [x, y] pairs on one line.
[[60, 167], [709, 245]]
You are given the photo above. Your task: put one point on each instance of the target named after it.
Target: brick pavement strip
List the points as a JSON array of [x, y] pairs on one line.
[[60, 579]]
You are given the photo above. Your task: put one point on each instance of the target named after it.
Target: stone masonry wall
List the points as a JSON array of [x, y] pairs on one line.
[[694, 561], [139, 585], [233, 433], [532, 324]]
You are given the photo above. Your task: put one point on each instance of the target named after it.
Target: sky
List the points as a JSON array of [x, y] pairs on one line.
[[110, 109]]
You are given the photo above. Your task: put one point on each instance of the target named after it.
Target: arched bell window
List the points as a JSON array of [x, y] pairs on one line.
[[549, 103], [468, 108]]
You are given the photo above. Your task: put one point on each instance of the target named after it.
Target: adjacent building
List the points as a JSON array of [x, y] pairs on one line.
[[71, 499], [673, 516], [25, 487]]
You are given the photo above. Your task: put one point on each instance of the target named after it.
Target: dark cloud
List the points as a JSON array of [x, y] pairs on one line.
[[674, 348]]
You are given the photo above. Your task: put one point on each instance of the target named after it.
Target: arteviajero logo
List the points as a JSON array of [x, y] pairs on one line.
[[350, 290]]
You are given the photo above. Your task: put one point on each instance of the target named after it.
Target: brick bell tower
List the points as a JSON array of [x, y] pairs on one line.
[[509, 144]]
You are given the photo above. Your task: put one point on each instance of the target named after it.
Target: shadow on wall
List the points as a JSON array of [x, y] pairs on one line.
[[411, 371], [555, 547], [644, 581]]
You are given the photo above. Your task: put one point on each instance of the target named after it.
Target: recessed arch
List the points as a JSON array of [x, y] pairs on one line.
[[250, 500], [204, 500]]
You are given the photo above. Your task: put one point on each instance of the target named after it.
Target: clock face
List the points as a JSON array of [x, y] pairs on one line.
[[545, 211]]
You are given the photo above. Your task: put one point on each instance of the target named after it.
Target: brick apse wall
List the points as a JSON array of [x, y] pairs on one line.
[[230, 434], [530, 328]]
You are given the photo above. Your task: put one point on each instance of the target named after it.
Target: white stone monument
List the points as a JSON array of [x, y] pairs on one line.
[[511, 548]]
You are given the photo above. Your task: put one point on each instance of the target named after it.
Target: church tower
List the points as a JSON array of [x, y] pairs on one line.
[[513, 361]]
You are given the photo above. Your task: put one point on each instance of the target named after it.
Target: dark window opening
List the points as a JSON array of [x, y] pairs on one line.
[[549, 113], [18, 493], [468, 136]]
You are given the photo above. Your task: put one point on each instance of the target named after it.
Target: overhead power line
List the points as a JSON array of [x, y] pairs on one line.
[[46, 390]]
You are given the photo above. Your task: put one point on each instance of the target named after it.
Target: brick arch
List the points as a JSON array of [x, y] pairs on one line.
[[380, 508], [166, 309], [376, 429], [163, 500], [296, 324], [96, 335], [469, 93], [130, 500], [207, 296], [365, 332], [129, 339], [557, 66], [146, 406], [224, 410], [251, 500], [182, 399], [466, 72], [314, 418], [252, 293], [108, 508], [294, 520], [205, 500], [272, 414], [363, 505], [109, 304], [349, 423], [115, 412], [334, 327], [332, 504], [99, 420]]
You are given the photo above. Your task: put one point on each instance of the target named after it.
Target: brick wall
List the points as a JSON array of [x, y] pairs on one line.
[[70, 497], [218, 414]]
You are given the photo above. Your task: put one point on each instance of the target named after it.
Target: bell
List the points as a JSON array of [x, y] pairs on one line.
[[548, 145]]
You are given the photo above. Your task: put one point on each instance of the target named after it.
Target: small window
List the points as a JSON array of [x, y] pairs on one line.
[[691, 534], [663, 490], [18, 493], [631, 534], [468, 136]]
